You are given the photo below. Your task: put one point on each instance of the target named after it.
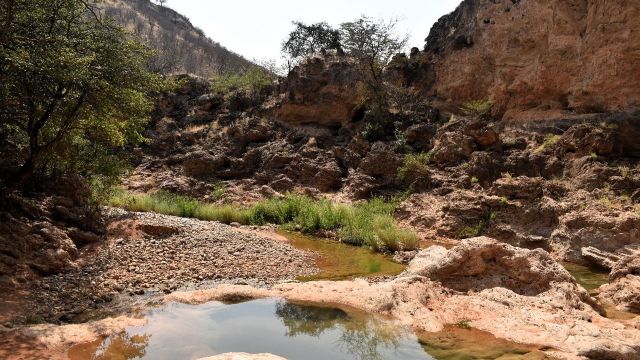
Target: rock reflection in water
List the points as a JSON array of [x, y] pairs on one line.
[[361, 336], [293, 331], [120, 346]]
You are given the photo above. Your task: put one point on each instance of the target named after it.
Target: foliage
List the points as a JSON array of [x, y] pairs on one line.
[[479, 109], [73, 89], [549, 140], [372, 41], [307, 40], [415, 165], [369, 223], [464, 324], [253, 81], [218, 191]]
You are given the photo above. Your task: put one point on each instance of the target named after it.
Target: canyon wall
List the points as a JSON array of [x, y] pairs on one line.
[[536, 59]]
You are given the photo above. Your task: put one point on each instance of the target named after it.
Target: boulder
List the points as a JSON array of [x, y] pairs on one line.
[[201, 164], [483, 263], [601, 258]]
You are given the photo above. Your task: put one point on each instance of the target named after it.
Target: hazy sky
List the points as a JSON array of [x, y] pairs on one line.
[[256, 28]]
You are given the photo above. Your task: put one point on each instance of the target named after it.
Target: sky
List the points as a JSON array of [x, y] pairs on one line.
[[255, 29]]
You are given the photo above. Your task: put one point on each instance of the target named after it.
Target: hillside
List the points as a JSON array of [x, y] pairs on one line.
[[182, 47]]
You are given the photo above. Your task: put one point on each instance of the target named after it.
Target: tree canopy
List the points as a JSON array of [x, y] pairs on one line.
[[306, 39], [73, 89]]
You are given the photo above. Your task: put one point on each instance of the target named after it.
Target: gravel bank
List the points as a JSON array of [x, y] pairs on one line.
[[147, 254]]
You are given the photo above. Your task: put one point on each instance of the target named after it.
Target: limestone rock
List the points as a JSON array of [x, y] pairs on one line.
[[482, 263]]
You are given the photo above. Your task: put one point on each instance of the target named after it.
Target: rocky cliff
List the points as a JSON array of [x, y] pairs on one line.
[[181, 47], [536, 59]]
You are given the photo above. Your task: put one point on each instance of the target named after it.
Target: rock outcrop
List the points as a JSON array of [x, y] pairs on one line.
[[484, 263], [534, 59], [42, 234], [623, 289], [322, 92]]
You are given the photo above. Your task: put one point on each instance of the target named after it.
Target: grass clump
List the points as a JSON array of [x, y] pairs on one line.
[[369, 223], [414, 166], [549, 140]]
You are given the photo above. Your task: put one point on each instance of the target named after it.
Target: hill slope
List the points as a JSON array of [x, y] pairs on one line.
[[182, 47]]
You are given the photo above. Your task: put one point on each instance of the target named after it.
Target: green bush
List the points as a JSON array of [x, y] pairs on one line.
[[253, 80], [370, 223], [549, 140], [414, 166], [480, 109]]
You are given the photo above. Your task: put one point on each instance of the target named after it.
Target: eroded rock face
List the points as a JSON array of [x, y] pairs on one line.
[[483, 263], [320, 91], [42, 234], [534, 58], [623, 289]]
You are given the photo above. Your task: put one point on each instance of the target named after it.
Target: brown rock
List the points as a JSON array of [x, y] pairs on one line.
[[321, 91], [481, 263], [538, 57], [199, 164]]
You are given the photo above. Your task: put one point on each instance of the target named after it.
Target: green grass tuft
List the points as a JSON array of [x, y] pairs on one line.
[[370, 223]]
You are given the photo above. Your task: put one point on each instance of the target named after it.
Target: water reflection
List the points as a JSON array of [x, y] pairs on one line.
[[338, 261], [363, 337], [293, 331], [121, 346]]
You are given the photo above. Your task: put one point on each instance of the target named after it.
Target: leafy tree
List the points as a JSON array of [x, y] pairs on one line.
[[372, 43], [73, 89], [307, 40]]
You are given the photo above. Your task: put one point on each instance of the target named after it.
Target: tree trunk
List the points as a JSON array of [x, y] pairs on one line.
[[23, 175], [6, 27]]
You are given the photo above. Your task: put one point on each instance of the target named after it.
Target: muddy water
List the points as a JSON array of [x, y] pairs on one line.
[[293, 331], [338, 261]]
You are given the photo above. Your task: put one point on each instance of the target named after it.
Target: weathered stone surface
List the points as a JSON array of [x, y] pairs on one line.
[[199, 164], [320, 91], [599, 257], [535, 59], [482, 263]]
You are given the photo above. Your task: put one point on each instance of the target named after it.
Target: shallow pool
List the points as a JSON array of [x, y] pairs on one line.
[[338, 261], [293, 331]]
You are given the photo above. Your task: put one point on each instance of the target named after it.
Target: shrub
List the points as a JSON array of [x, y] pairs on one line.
[[414, 166], [479, 109], [218, 191], [254, 80], [549, 140], [463, 324]]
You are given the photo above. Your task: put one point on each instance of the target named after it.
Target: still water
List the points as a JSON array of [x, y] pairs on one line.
[[337, 261], [293, 331]]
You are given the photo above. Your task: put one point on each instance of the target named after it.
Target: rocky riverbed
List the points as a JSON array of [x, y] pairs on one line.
[[146, 254]]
